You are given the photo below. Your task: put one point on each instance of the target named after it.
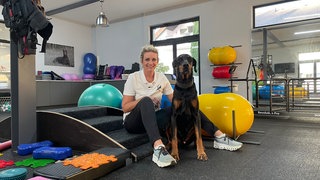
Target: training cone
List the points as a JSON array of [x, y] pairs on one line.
[[220, 107]]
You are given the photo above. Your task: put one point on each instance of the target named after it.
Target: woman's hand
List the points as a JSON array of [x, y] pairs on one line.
[[156, 102]]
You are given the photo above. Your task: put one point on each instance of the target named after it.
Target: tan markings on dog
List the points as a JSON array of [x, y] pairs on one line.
[[194, 103], [174, 145], [174, 140], [200, 148]]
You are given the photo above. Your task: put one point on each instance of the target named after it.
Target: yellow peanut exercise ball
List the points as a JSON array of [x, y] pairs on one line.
[[214, 55], [228, 55], [222, 55], [219, 107]]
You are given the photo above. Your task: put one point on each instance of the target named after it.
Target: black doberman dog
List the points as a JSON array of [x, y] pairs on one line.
[[185, 118]]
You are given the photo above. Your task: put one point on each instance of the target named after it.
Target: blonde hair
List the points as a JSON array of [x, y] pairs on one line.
[[148, 48]]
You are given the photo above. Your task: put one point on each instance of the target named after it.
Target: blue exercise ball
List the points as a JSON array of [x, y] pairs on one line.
[[90, 63], [165, 102], [101, 95], [264, 91]]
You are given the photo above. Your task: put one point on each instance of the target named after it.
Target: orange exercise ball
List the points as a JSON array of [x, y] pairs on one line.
[[219, 107]]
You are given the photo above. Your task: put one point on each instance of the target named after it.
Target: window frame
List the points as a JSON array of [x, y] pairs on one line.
[[275, 24], [180, 40]]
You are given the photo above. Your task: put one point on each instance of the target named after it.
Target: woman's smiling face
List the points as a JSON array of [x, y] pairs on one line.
[[150, 61]]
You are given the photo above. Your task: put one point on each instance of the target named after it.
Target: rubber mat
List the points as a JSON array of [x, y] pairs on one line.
[[60, 171]]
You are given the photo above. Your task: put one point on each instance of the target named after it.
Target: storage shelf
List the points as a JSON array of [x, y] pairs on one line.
[[231, 78], [232, 64]]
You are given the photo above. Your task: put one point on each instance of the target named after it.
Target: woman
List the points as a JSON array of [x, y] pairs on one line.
[[141, 106]]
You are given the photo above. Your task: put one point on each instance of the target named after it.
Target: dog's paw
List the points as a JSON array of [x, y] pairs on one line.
[[202, 157], [176, 156]]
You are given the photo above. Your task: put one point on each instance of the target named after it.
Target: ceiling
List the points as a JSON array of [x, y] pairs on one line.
[[116, 10]]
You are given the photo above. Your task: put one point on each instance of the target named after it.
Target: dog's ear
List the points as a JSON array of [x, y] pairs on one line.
[[194, 63], [174, 65], [174, 71]]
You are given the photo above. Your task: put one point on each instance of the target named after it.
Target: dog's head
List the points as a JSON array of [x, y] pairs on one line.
[[183, 67]]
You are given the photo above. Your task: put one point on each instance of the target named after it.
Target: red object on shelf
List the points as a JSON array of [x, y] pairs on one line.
[[221, 72]]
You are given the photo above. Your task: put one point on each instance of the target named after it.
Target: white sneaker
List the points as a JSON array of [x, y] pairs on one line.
[[162, 157], [226, 143]]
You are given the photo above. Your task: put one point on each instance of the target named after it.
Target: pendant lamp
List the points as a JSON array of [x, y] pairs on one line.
[[102, 19]]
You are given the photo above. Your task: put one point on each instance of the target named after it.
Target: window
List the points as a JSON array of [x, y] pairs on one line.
[[309, 56], [4, 57], [309, 67], [285, 12], [175, 38]]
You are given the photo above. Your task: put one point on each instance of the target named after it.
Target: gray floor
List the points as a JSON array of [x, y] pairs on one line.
[[289, 149]]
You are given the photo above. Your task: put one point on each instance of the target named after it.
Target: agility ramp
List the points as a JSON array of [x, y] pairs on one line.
[[64, 130]]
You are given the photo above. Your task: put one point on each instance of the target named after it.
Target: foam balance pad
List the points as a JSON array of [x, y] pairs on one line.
[[92, 160], [56, 153], [34, 163], [4, 163], [13, 174], [25, 149]]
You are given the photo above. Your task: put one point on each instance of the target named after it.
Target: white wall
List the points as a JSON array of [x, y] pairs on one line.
[[222, 22], [120, 43], [69, 34]]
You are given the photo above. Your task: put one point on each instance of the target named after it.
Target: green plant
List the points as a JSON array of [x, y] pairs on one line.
[[162, 68]]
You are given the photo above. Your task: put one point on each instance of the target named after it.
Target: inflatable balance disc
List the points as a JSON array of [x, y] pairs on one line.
[[13, 174], [219, 107]]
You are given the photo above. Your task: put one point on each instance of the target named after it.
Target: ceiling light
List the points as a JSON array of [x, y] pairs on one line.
[[307, 32], [102, 19]]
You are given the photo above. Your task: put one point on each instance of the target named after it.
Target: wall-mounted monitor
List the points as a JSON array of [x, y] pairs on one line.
[[284, 68]]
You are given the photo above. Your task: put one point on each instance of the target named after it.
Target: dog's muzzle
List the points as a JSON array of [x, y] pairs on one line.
[[185, 66]]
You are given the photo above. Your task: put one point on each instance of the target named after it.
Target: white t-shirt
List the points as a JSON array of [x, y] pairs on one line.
[[137, 86]]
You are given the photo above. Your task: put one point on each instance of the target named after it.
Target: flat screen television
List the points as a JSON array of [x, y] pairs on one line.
[[284, 68]]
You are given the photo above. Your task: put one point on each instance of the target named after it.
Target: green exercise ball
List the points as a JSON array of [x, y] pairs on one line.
[[101, 95]]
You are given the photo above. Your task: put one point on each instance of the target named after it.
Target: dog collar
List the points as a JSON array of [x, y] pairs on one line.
[[185, 85]]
